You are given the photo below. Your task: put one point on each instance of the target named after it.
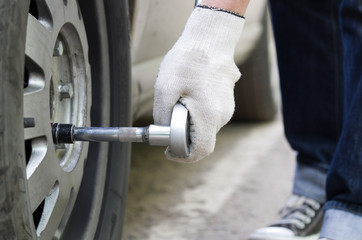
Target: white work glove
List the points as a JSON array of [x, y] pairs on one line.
[[200, 72]]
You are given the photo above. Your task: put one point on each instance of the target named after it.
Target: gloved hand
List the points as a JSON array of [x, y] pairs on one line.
[[200, 72]]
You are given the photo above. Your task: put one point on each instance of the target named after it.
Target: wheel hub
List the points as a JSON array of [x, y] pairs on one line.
[[68, 98]]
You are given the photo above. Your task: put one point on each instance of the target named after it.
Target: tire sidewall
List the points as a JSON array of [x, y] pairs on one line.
[[16, 218]]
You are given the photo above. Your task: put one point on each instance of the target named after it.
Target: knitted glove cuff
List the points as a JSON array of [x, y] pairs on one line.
[[212, 31], [221, 10]]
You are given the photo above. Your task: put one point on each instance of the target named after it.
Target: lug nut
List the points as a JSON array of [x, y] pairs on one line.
[[65, 90], [58, 49], [59, 146]]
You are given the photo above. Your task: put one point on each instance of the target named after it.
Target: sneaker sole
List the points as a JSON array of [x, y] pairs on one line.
[[263, 237]]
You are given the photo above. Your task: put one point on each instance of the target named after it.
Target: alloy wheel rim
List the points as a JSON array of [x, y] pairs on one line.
[[56, 89]]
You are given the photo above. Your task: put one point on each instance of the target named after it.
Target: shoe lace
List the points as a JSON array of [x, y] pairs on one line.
[[298, 211]]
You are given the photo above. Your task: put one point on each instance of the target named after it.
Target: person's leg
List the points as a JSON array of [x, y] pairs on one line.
[[309, 49], [310, 58], [344, 182]]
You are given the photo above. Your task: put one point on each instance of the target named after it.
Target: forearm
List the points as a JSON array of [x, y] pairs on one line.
[[238, 6]]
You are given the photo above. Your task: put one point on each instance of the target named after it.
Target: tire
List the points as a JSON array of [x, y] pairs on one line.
[[87, 198], [254, 97]]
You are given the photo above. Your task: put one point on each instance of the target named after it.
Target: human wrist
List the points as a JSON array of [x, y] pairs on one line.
[[237, 6]]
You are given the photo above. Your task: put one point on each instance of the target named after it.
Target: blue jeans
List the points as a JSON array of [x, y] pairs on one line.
[[319, 49]]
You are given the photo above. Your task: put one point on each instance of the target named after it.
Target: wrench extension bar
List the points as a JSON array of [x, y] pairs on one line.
[[176, 136], [153, 135]]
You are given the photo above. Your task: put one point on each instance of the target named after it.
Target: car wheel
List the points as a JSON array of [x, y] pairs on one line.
[[254, 96], [76, 70]]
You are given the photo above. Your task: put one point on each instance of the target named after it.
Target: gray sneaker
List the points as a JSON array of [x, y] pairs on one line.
[[301, 219]]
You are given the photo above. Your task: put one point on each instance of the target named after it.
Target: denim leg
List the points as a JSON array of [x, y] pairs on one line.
[[310, 182], [341, 225], [344, 182], [310, 57]]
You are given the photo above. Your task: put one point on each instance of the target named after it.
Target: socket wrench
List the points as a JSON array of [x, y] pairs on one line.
[[176, 136]]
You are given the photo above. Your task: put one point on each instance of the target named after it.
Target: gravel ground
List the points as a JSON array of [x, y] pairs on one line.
[[226, 196]]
